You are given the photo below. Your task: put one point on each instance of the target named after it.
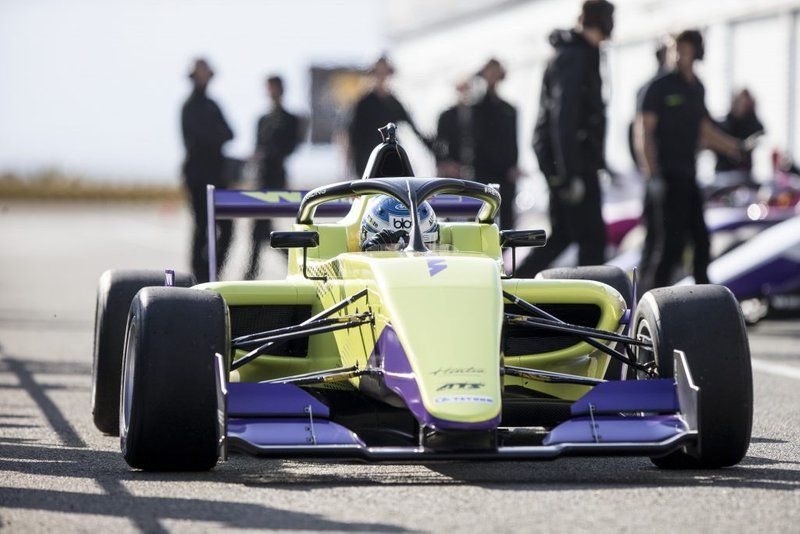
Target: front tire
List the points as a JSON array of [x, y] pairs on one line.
[[115, 291], [706, 324], [168, 406]]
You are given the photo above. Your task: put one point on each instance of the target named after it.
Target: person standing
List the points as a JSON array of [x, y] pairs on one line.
[[455, 143], [741, 123], [671, 125], [661, 61], [374, 110], [277, 136], [204, 131], [569, 139], [495, 134]]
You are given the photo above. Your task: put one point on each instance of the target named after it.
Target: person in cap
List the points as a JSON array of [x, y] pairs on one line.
[[495, 138], [205, 131], [569, 139], [277, 135], [672, 124], [374, 110]]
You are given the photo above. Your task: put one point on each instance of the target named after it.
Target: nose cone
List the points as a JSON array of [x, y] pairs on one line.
[[446, 315]]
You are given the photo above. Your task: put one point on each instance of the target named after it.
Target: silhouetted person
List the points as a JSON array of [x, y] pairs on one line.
[[671, 125], [277, 136], [374, 110], [661, 61], [204, 132], [741, 122], [569, 139], [495, 134], [455, 137]]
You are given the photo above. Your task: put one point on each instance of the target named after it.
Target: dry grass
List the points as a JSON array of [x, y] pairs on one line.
[[55, 185]]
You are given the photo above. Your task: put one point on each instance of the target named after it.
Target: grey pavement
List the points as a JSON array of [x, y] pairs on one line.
[[57, 473]]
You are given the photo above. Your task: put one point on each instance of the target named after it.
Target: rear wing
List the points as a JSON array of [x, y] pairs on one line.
[[269, 204]]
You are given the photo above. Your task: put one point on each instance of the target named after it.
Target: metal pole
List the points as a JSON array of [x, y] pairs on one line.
[[212, 234]]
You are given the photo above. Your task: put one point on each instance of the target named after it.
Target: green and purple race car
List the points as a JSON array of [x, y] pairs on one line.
[[422, 349]]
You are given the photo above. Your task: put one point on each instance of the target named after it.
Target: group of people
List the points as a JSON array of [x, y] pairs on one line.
[[205, 131], [477, 139]]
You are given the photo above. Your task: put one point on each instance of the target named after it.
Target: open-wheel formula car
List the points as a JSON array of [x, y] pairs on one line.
[[429, 351]]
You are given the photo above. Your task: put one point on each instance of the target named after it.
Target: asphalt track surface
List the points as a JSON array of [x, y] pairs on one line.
[[57, 473]]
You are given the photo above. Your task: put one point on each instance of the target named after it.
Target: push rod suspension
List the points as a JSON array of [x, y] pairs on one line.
[[285, 330], [331, 375], [547, 324], [299, 331], [255, 353], [535, 310], [550, 376]]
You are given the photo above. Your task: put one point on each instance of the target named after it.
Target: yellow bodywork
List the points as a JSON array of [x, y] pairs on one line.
[[446, 307]]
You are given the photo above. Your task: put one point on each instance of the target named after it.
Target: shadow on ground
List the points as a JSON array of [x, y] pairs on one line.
[[74, 458]]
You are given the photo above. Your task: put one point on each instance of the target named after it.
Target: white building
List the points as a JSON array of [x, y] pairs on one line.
[[749, 43]]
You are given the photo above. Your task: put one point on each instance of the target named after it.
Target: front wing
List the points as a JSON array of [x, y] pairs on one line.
[[618, 418]]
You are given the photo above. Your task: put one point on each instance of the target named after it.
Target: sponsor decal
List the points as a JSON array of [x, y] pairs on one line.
[[464, 399], [276, 197], [435, 266], [400, 223], [674, 100], [460, 385], [445, 371]]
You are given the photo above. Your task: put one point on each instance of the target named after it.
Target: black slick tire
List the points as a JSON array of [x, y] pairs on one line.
[[706, 324], [115, 292], [168, 406]]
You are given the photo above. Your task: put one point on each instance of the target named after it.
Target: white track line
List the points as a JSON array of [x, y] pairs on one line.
[[786, 371]]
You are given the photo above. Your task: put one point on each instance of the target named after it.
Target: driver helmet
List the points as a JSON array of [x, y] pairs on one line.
[[387, 213]]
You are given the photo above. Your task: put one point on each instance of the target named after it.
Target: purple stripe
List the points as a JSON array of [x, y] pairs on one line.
[[290, 431], [616, 429], [629, 396], [399, 377], [232, 204], [772, 278], [251, 399]]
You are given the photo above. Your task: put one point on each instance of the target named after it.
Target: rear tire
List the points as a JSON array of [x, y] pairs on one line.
[[606, 274], [168, 407], [115, 292], [705, 322]]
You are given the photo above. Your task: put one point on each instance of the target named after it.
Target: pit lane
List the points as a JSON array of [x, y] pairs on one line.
[[57, 472]]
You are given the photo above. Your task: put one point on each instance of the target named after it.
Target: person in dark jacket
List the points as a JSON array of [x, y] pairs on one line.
[[569, 139], [671, 125], [204, 132], [277, 136], [741, 123], [495, 134], [374, 110], [454, 147]]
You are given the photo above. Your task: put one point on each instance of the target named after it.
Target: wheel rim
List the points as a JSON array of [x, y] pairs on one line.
[[643, 354], [127, 382]]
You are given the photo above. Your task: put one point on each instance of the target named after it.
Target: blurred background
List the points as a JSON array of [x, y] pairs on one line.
[[93, 88]]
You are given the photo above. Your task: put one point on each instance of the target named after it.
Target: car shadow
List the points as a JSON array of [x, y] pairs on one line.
[[74, 458]]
